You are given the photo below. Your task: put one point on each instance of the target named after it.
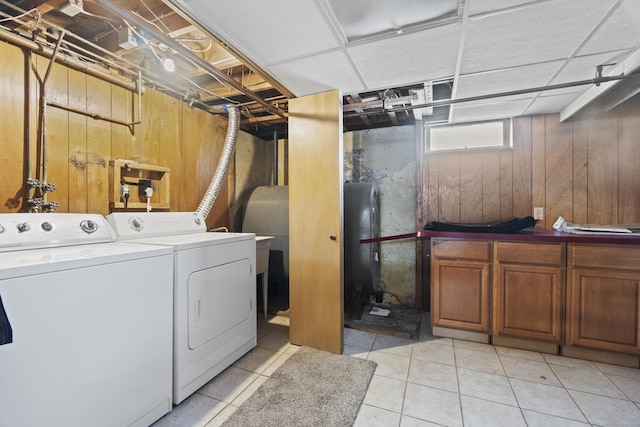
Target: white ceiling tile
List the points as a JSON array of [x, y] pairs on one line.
[[544, 32], [319, 73], [508, 45], [408, 58], [360, 18], [584, 67], [524, 77], [483, 6], [551, 104], [268, 32], [468, 112], [620, 31]]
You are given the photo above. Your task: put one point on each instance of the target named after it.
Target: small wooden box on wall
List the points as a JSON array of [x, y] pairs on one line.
[[131, 173]]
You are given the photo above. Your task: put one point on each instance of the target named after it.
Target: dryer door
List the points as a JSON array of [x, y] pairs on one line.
[[219, 299]]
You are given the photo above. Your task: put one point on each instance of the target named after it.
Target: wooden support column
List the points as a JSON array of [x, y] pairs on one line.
[[316, 261]]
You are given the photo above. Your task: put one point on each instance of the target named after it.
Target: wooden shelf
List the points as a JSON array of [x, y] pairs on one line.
[[131, 173]]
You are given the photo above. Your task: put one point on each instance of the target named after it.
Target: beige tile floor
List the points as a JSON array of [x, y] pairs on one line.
[[439, 382]]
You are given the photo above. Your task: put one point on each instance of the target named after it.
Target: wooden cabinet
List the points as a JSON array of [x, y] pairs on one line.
[[131, 173], [603, 298], [528, 290], [582, 298], [460, 281]]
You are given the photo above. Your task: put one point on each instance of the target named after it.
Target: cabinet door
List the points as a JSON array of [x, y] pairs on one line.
[[603, 297], [460, 294], [528, 290], [528, 302], [603, 310]]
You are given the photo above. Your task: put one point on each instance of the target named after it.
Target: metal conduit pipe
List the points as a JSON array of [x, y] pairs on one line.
[[220, 174], [56, 29], [43, 115], [104, 118], [83, 67], [27, 124], [79, 65], [190, 56], [66, 60], [378, 106]]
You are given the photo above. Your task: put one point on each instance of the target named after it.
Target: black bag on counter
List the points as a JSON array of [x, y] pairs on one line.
[[510, 225]]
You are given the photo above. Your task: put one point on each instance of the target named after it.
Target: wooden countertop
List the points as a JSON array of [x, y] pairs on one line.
[[541, 235]]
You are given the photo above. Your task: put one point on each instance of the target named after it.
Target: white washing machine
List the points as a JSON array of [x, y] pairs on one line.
[[85, 322], [215, 319]]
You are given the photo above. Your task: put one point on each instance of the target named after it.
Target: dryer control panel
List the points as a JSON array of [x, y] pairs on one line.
[[136, 225]]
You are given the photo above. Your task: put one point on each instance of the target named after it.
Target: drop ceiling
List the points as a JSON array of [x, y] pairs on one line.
[[385, 56], [476, 47]]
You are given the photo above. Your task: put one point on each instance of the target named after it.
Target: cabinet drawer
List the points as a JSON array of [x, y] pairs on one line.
[[531, 253], [616, 257], [477, 250]]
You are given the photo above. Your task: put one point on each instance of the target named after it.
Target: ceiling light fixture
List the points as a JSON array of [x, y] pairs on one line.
[[166, 62], [169, 65]]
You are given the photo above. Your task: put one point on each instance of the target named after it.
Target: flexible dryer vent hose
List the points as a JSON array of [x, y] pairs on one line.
[[223, 164]]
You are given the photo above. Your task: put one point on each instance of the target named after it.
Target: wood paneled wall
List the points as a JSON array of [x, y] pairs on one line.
[[587, 171], [79, 148]]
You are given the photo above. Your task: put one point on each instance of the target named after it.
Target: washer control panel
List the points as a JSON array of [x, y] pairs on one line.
[[20, 231]]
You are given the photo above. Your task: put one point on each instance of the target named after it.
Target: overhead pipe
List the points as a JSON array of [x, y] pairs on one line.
[[57, 56], [83, 66], [171, 43], [84, 41], [108, 119], [380, 104], [65, 59], [73, 63]]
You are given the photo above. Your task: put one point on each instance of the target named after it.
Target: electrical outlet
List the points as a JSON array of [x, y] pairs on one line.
[[538, 213], [71, 7]]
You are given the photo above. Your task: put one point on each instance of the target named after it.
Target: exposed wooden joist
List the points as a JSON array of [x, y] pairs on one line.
[[263, 119]]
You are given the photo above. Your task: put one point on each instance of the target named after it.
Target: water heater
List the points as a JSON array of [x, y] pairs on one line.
[[361, 261]]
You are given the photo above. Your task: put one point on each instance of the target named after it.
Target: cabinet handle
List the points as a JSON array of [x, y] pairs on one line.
[[333, 238]]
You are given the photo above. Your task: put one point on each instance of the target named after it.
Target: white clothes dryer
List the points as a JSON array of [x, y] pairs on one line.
[[215, 319], [86, 324]]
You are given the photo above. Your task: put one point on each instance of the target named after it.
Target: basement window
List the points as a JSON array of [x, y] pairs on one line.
[[495, 134]]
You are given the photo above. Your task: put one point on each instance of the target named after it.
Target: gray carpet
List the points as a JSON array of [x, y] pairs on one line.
[[312, 388]]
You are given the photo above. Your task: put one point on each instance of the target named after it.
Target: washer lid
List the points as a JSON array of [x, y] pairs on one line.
[[191, 241], [68, 258]]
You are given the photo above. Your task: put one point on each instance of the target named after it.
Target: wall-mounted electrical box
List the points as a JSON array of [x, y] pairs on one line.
[[132, 175]]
